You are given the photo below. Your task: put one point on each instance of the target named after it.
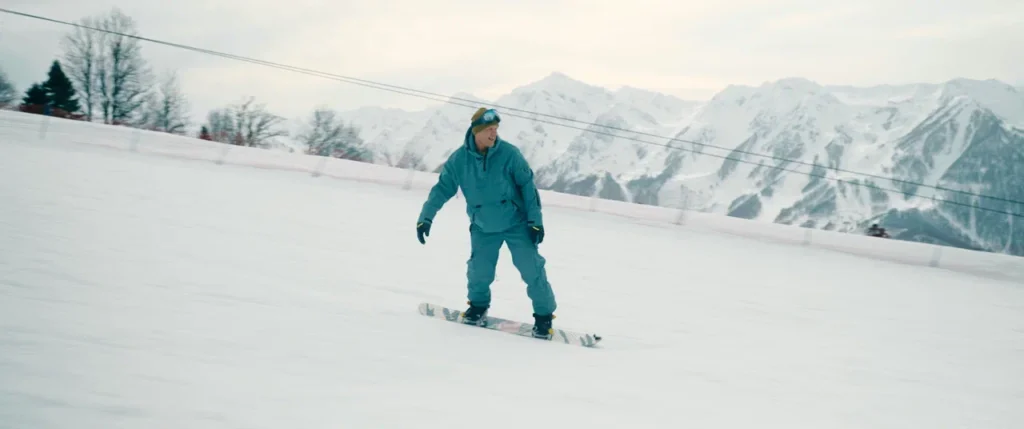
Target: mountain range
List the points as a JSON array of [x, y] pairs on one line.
[[940, 163]]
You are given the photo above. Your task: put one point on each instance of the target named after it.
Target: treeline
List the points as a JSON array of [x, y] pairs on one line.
[[102, 76]]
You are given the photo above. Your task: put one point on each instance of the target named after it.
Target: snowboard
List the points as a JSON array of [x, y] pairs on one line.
[[514, 327]]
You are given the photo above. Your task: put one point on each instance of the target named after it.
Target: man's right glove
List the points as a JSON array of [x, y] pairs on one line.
[[423, 229]]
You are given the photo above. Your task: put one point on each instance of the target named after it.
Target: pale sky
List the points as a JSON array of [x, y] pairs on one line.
[[687, 48]]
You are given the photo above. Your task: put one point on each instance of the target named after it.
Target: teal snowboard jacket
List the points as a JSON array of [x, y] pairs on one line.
[[498, 186]]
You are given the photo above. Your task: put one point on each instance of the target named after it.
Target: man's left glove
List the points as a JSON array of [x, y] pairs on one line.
[[422, 229], [536, 233]]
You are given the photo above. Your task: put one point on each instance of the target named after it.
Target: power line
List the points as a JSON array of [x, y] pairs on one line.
[[811, 174], [449, 100]]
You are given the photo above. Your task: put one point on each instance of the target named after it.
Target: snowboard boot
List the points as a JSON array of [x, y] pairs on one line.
[[542, 326], [475, 315]]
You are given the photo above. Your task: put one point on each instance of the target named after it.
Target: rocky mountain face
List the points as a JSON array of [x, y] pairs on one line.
[[913, 158]]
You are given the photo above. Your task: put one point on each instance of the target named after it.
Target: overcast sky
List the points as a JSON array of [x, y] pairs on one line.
[[688, 48]]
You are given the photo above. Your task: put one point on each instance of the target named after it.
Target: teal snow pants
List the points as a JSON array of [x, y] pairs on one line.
[[526, 258]]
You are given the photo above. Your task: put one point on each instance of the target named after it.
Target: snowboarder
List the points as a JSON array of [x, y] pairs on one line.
[[503, 206]]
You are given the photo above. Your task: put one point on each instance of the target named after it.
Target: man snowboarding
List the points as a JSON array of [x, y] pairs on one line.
[[503, 206]]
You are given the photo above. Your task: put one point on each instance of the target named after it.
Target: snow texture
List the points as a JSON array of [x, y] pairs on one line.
[[141, 290], [785, 152]]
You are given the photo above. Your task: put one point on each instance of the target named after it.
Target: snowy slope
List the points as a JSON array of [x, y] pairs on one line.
[[917, 136], [615, 144], [1005, 101], [383, 128], [542, 137], [417, 140], [751, 152], [143, 291]]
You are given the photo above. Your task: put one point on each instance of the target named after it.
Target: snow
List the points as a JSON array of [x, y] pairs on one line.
[[385, 129], [532, 119], [1002, 99], [139, 289], [880, 95], [863, 125]]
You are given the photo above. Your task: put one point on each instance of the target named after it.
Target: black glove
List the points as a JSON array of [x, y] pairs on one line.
[[423, 229], [536, 233]]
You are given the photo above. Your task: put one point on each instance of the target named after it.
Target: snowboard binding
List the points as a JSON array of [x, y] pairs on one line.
[[475, 315]]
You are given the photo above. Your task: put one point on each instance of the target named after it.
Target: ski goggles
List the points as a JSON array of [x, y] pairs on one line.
[[490, 116]]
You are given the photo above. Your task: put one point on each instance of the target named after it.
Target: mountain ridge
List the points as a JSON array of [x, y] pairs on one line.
[[753, 151]]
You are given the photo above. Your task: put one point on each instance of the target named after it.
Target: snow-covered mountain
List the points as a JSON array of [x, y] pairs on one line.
[[423, 139], [789, 151], [418, 140]]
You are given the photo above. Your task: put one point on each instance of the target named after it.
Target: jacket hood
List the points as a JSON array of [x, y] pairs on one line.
[[469, 143]]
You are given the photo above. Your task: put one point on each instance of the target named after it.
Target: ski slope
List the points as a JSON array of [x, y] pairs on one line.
[[140, 291]]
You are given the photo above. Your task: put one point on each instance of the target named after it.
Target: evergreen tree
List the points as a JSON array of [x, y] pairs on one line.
[[36, 95], [60, 90]]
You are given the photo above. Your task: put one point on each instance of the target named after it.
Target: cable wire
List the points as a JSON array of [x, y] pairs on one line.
[[451, 100]]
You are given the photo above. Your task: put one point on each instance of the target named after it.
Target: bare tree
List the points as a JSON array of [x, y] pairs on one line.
[[166, 108], [327, 135], [220, 125], [124, 78], [105, 62], [256, 125], [8, 94], [82, 52], [245, 124]]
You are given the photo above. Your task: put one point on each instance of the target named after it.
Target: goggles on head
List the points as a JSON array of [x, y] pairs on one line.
[[490, 116]]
